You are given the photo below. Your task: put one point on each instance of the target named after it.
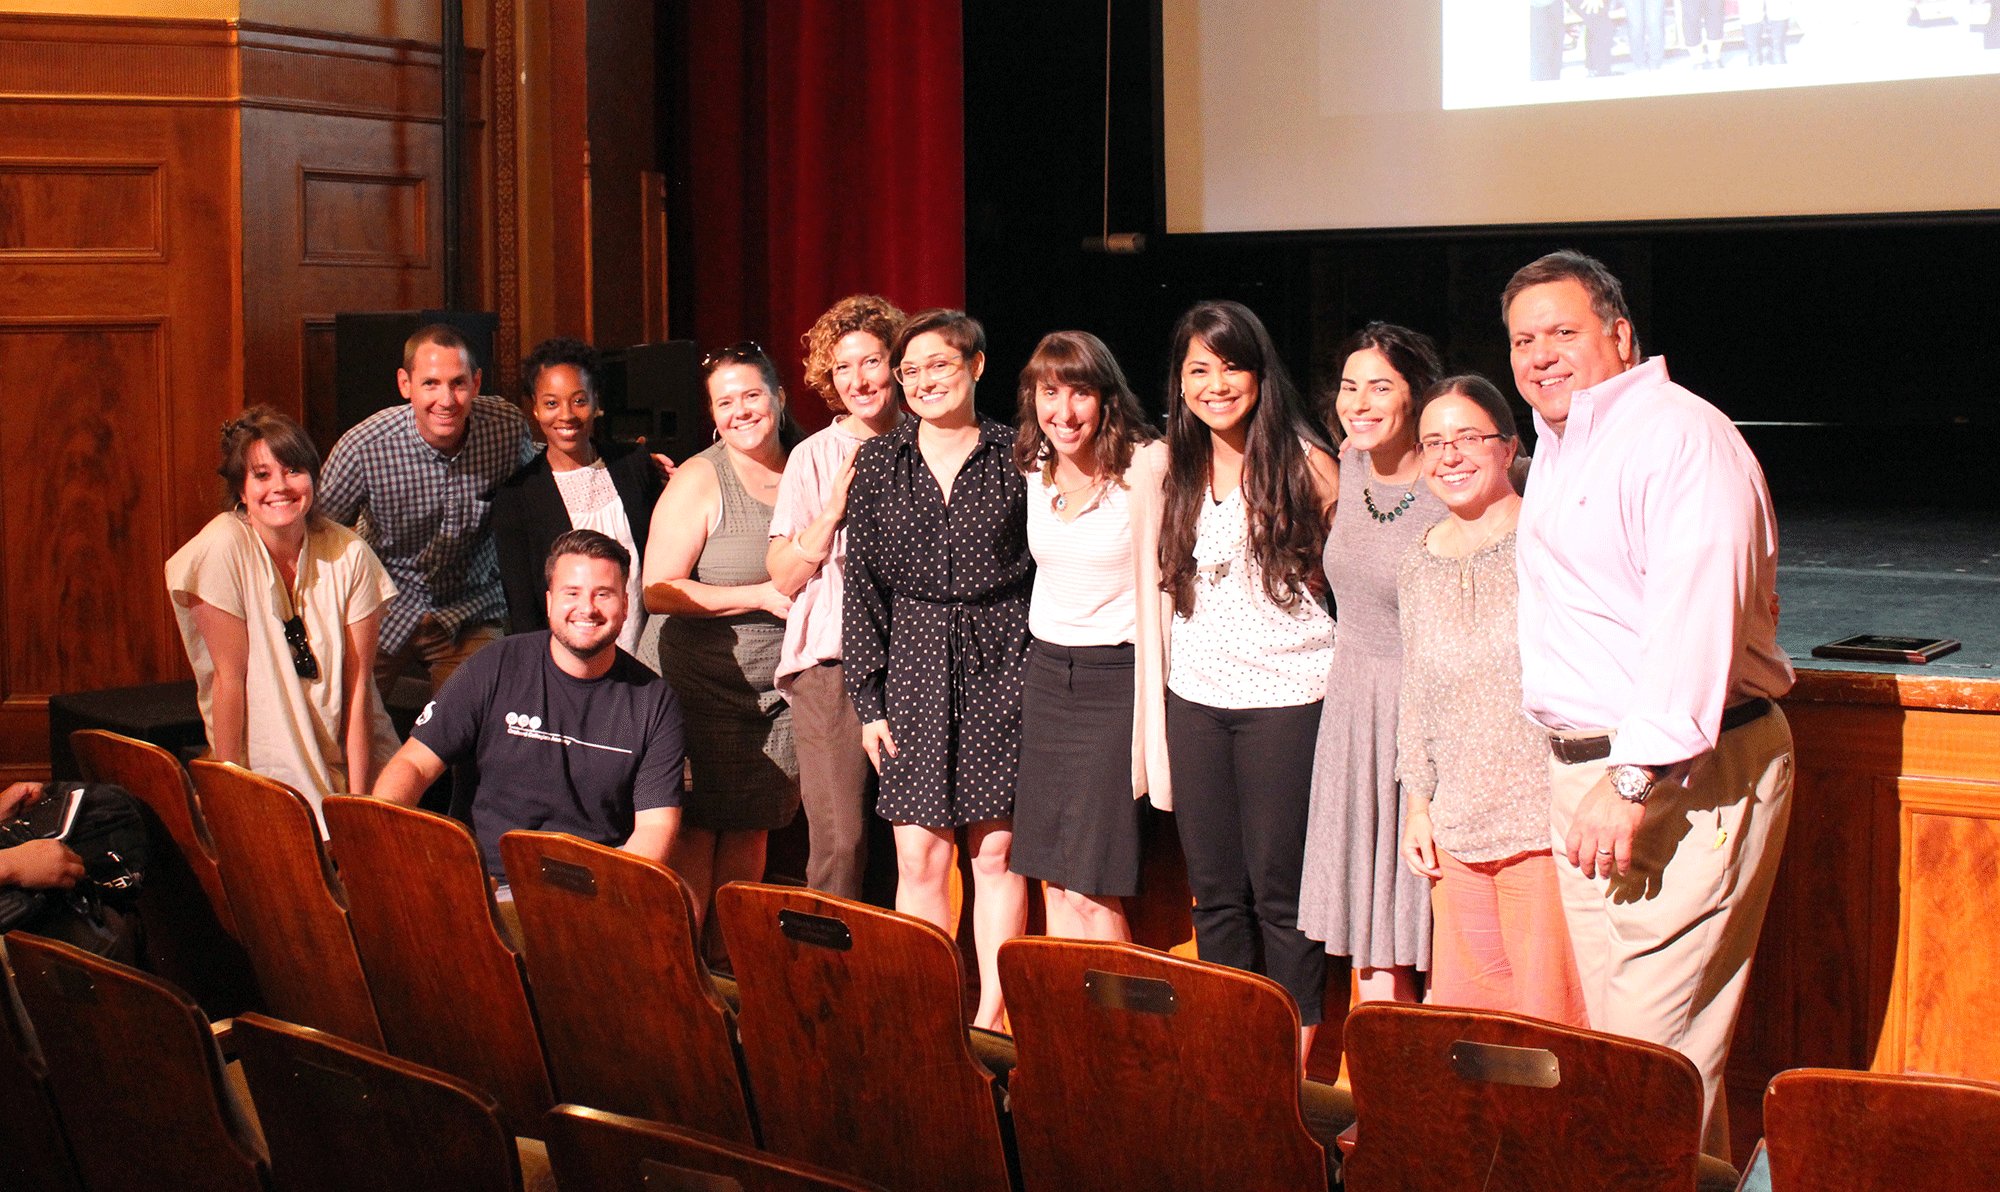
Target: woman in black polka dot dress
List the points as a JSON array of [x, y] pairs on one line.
[[935, 633]]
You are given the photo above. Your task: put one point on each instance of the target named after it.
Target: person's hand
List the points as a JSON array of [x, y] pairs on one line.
[[875, 738], [43, 865], [1419, 849], [1602, 831], [18, 796], [665, 465], [775, 602], [837, 502]]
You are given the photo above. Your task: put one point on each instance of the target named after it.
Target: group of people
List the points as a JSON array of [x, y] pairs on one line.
[[1413, 701]]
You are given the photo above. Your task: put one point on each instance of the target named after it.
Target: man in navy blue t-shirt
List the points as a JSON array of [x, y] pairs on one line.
[[571, 733]]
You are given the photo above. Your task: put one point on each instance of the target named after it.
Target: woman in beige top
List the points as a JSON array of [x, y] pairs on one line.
[[1474, 770]]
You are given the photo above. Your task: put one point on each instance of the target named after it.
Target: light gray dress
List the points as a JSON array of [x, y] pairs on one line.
[[738, 728], [1356, 894]]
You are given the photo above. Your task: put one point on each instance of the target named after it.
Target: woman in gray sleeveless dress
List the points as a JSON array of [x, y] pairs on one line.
[[725, 625], [1356, 894]]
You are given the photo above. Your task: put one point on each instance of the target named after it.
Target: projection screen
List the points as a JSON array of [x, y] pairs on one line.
[[1289, 115]]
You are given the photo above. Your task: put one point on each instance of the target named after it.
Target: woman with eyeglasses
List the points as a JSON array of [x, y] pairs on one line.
[[935, 639], [578, 483], [1474, 771], [1093, 722], [725, 626], [279, 609], [1358, 897], [1250, 481], [847, 360]]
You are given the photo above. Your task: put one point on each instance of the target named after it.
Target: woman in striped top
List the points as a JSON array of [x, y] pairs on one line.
[[1090, 746]]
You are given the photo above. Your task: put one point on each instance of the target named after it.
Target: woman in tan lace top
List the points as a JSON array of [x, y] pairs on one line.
[[1473, 769]]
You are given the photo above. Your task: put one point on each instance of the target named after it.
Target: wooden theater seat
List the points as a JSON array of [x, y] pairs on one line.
[[135, 1075], [594, 1151], [854, 1036], [34, 1154], [1836, 1129], [1137, 1069], [1450, 1098], [449, 991], [190, 936], [630, 1018], [291, 913], [338, 1116]]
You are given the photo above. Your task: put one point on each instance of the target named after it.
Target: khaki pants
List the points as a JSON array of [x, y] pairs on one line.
[[834, 780], [439, 653], [1664, 951]]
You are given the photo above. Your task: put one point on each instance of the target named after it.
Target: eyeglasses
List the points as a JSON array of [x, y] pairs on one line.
[[1466, 442], [743, 351], [302, 652], [941, 369]]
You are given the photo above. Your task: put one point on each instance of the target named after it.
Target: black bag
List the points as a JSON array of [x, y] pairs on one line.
[[109, 835]]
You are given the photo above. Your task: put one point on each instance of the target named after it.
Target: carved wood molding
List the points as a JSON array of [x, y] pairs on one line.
[[505, 79]]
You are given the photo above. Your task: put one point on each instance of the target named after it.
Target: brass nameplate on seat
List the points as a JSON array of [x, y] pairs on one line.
[[817, 930], [665, 1177], [1530, 1067], [565, 876], [1116, 991], [330, 1084], [73, 983]]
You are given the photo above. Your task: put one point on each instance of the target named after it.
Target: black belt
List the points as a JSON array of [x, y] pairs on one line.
[[1572, 751]]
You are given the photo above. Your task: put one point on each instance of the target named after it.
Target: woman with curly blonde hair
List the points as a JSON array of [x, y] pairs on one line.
[[847, 360]]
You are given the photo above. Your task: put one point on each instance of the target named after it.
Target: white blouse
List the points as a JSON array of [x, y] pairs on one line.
[[1083, 568], [592, 501], [1237, 649]]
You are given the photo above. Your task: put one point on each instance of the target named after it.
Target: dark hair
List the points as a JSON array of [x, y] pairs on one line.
[[289, 443], [859, 312], [1607, 294], [957, 328], [591, 545], [1411, 353], [753, 354], [1287, 516], [444, 335], [1080, 360], [1480, 392], [586, 360]]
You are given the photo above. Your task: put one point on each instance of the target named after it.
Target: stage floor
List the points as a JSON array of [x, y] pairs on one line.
[[1913, 572]]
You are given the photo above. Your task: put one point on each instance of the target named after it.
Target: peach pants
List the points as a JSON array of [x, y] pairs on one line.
[[1499, 940]]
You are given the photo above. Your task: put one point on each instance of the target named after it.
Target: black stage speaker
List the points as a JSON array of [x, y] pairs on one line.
[[652, 394], [368, 349]]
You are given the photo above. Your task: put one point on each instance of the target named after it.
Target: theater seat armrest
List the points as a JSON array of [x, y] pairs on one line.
[[1328, 1110], [993, 1049], [224, 1030]]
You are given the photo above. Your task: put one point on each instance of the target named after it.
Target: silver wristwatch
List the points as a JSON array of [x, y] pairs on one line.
[[1632, 783]]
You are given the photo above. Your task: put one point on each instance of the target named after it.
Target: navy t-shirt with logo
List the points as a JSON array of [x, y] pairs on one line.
[[556, 753]]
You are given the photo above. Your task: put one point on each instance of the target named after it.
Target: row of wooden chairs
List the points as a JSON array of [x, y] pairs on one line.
[[1113, 1041]]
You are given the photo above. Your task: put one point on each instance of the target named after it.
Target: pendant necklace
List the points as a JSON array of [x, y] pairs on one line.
[[1063, 494], [1465, 560]]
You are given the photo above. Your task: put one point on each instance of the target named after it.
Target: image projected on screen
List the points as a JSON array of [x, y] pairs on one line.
[[1503, 53]]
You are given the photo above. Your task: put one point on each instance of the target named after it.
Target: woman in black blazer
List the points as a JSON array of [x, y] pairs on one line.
[[578, 483]]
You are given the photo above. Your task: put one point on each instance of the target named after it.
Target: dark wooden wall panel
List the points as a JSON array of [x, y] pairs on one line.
[[78, 210]]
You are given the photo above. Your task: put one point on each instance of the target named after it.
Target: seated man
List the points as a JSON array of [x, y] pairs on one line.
[[37, 864], [571, 733]]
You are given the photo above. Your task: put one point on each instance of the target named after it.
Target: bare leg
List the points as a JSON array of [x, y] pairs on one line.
[[693, 857], [1085, 916], [1397, 984], [999, 910], [739, 857], [923, 874], [1306, 1034]]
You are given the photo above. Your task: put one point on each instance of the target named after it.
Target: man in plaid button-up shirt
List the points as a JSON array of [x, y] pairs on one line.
[[417, 481]]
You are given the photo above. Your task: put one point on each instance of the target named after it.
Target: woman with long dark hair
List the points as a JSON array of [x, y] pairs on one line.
[[1251, 478], [1092, 719], [1358, 896]]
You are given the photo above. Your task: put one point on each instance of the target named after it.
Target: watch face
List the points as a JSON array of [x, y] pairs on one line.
[[1631, 783]]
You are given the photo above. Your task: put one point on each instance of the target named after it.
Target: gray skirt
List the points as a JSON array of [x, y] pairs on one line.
[[1076, 824], [738, 729]]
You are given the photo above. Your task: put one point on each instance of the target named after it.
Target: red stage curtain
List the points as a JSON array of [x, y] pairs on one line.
[[827, 157]]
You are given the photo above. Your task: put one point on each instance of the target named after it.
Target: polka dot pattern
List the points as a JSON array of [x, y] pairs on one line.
[[935, 623]]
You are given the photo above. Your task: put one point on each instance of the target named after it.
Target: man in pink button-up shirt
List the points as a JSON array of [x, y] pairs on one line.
[[1648, 558]]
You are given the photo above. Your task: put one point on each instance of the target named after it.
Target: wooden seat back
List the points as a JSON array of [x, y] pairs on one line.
[[34, 1154], [134, 1073], [290, 911], [1837, 1129], [630, 1019], [608, 1152], [449, 991], [190, 932], [854, 1035], [337, 1116], [1448, 1098], [1154, 1045]]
